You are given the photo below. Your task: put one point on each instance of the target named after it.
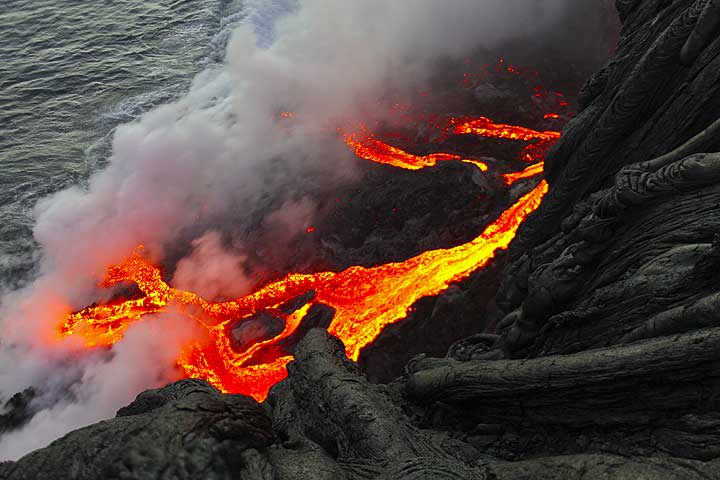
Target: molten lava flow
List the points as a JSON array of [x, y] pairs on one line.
[[365, 301], [530, 171], [480, 165], [368, 147], [487, 128]]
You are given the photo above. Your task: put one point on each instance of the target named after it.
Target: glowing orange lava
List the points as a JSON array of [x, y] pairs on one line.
[[367, 147], [365, 300], [487, 128], [530, 171]]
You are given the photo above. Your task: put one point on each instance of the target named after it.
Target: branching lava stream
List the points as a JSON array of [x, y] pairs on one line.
[[365, 299]]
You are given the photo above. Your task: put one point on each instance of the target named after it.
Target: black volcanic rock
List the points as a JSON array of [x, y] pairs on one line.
[[17, 410], [187, 430], [619, 250], [261, 326]]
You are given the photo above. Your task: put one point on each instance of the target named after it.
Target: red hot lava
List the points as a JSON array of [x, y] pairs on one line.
[[365, 300]]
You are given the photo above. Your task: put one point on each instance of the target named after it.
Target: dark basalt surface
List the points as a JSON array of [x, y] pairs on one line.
[[605, 361]]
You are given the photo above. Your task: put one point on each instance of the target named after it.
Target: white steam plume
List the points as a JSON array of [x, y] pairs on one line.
[[217, 151], [212, 270]]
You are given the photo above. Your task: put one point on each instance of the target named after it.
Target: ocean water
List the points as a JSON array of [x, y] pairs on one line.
[[71, 71]]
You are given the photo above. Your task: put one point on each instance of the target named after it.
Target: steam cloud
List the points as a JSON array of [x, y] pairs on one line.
[[214, 157]]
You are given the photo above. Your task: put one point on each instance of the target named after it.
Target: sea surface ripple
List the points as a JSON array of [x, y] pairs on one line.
[[71, 71]]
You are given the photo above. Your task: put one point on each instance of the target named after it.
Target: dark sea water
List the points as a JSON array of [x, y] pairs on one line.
[[71, 71]]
